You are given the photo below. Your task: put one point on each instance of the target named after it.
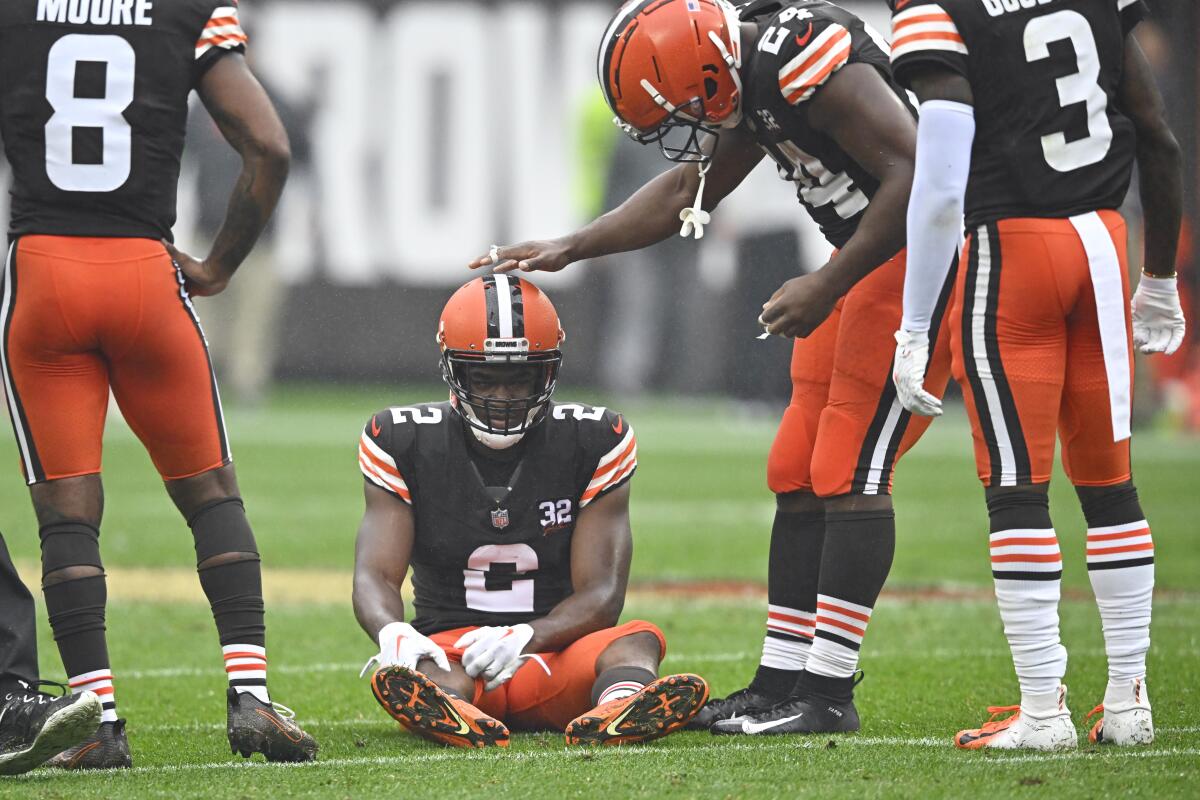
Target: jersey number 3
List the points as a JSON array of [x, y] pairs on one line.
[[1080, 87], [104, 114]]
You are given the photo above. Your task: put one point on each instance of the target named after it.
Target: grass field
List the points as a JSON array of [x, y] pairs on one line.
[[935, 656]]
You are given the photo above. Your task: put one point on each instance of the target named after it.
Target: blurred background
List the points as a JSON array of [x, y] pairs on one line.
[[424, 131]]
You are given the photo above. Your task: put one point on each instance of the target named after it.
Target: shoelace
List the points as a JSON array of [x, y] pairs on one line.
[[540, 661], [21, 710], [1097, 710], [283, 711], [996, 711]]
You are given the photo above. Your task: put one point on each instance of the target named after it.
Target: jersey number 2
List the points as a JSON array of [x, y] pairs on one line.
[[105, 113], [1080, 87], [518, 597]]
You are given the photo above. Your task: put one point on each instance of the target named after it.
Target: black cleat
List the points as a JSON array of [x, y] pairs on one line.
[[738, 704], [806, 714], [107, 748], [267, 728], [34, 726]]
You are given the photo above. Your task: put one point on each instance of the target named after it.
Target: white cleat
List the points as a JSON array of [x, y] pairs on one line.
[[1024, 729], [1126, 719]]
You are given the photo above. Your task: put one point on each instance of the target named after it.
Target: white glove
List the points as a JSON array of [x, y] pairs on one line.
[[494, 653], [1158, 323], [908, 373], [401, 645]]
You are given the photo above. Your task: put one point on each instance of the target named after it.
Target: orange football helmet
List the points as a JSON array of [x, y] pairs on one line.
[[500, 336], [669, 70]]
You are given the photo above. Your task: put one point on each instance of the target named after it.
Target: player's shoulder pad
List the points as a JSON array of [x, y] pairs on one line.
[[387, 442], [933, 32], [607, 445], [809, 42]]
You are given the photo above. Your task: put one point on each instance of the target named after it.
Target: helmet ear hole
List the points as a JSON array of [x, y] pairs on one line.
[[710, 88]]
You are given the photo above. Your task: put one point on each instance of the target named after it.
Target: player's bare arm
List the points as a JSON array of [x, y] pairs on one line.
[[381, 554], [650, 216], [601, 549], [1160, 168], [247, 119], [858, 110]]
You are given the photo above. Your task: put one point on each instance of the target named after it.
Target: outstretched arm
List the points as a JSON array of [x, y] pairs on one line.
[[651, 215], [248, 121]]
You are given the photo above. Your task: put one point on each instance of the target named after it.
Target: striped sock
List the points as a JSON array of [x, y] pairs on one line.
[[840, 628], [620, 690], [246, 666], [100, 683], [1027, 572], [789, 638], [1120, 561]]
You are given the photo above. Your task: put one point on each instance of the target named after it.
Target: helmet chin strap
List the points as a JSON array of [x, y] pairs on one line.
[[497, 441]]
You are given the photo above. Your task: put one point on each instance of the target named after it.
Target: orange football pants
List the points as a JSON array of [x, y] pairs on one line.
[[533, 700], [844, 429], [81, 316], [1042, 345]]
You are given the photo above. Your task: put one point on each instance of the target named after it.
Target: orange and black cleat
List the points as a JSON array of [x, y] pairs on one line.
[[423, 708], [659, 708]]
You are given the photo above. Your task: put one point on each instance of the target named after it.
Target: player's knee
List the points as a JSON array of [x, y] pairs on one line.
[[1012, 507], [222, 532], [851, 502], [70, 551], [192, 495], [799, 502], [1109, 505], [225, 559]]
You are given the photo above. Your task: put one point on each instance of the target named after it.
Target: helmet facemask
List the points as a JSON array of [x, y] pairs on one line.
[[501, 395]]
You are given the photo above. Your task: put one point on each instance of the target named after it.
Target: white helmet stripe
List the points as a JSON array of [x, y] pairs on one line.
[[630, 9], [504, 306]]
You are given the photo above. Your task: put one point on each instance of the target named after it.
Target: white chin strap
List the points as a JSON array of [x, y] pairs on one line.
[[498, 441]]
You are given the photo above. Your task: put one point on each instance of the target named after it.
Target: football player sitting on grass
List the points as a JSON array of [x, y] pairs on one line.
[[513, 512]]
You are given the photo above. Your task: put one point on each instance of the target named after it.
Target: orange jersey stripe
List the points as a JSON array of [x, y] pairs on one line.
[[837, 623], [611, 465], [395, 489], [220, 22], [229, 656], [817, 80], [940, 36], [1034, 541], [245, 667], [1108, 537], [219, 40], [834, 42], [1037, 558], [103, 690], [380, 464], [1129, 548], [933, 16], [789, 618], [844, 611], [86, 681]]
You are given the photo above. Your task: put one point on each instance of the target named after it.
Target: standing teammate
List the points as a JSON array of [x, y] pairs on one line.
[[93, 104], [1036, 113], [806, 83], [514, 514]]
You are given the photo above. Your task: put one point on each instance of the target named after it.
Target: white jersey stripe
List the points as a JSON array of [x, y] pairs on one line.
[[10, 267], [916, 11], [983, 367], [879, 456], [1125, 528]]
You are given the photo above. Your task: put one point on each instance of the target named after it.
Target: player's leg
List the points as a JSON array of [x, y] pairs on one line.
[[163, 382], [797, 535], [57, 392], [444, 706], [1095, 415], [1021, 280]]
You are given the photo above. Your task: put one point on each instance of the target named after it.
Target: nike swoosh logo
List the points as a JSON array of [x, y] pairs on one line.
[[900, 4], [759, 727], [611, 730], [620, 426], [463, 727], [803, 40], [375, 429]]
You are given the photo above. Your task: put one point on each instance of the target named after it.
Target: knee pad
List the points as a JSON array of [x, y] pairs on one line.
[[1011, 509], [69, 544], [221, 527], [1109, 505]]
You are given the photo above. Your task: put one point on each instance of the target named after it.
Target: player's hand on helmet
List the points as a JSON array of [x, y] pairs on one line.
[[1158, 322], [549, 255], [494, 653], [401, 645], [908, 373], [799, 306], [201, 278]]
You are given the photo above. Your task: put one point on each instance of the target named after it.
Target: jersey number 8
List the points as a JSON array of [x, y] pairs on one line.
[[105, 113]]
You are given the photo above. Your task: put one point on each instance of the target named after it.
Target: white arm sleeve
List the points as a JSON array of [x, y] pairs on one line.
[[944, 137]]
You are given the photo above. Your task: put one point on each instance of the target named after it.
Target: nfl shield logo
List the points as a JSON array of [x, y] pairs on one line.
[[500, 518]]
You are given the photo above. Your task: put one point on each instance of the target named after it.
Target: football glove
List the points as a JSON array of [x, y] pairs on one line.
[[494, 653], [1158, 323], [401, 645], [908, 373]]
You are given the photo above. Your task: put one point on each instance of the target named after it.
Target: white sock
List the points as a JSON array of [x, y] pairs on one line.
[[246, 666], [840, 628], [788, 639], [1120, 561], [99, 682], [619, 690], [1027, 571]]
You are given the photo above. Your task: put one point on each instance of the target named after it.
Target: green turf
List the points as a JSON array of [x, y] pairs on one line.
[[701, 512]]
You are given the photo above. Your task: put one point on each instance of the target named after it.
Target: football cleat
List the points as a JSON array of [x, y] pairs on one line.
[[738, 704], [107, 748], [803, 714], [1021, 729], [1126, 718], [423, 708], [653, 711], [268, 728], [34, 726]]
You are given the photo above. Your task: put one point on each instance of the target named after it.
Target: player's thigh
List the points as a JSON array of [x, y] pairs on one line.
[[164, 383], [55, 378], [1097, 396], [790, 458], [493, 703], [1010, 343], [863, 428], [537, 701]]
